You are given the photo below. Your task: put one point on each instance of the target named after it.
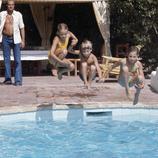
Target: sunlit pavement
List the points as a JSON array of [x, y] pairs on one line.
[[48, 91]]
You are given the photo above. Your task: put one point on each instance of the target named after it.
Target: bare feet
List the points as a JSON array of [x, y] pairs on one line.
[[139, 86], [101, 80], [87, 86], [128, 95]]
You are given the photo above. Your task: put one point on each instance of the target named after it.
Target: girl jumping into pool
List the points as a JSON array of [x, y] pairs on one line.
[[131, 73]]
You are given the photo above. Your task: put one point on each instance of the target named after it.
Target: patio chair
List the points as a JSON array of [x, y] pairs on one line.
[[108, 62], [75, 61]]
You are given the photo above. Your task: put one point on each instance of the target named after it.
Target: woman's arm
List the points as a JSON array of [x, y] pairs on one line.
[[74, 39]]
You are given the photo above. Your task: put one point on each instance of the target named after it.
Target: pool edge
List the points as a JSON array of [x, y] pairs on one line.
[[87, 105]]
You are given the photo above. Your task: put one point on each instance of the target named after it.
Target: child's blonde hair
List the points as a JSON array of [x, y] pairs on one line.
[[135, 49], [85, 41], [61, 26]]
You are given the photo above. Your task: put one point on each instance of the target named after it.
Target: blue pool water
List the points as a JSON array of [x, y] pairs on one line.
[[80, 134]]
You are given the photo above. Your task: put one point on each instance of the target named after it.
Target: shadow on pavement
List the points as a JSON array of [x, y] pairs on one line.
[[152, 89]]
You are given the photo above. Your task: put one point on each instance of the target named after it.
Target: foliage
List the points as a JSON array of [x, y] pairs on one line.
[[136, 22]]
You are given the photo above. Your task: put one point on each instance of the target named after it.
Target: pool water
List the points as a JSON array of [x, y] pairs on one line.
[[90, 135]]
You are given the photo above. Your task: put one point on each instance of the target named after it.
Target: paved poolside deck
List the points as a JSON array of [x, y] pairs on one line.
[[47, 91]]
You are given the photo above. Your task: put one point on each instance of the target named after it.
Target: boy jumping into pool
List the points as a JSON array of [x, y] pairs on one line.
[[88, 64], [59, 51], [131, 73]]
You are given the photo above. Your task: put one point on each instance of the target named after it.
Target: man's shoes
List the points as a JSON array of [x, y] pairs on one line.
[[17, 84], [7, 82]]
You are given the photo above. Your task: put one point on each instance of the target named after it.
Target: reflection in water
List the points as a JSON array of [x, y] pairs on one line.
[[75, 115], [45, 113]]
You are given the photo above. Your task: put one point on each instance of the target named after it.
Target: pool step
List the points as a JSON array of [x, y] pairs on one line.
[[99, 113]]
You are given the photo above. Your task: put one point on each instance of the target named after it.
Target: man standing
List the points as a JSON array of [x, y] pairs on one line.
[[12, 36]]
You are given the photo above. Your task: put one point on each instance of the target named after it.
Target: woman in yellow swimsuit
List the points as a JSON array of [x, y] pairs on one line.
[[59, 51]]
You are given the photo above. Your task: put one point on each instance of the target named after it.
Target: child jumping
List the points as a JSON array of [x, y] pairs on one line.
[[59, 50], [88, 63], [131, 73]]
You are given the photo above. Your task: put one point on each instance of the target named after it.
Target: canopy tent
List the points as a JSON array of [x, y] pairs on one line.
[[42, 10]]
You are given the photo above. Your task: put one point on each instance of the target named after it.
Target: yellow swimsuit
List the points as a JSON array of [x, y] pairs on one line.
[[133, 74], [60, 46], [133, 78]]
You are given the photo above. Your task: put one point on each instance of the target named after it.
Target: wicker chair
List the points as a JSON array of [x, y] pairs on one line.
[[108, 62]]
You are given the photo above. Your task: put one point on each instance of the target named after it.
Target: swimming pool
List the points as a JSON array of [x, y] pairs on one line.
[[80, 133]]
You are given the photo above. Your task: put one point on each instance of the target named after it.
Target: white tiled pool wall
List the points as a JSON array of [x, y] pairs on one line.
[[83, 114]]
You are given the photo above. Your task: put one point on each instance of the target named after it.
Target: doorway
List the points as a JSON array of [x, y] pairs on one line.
[[81, 21]]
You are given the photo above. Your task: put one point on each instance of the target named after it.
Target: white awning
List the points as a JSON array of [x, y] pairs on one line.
[[32, 55]]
